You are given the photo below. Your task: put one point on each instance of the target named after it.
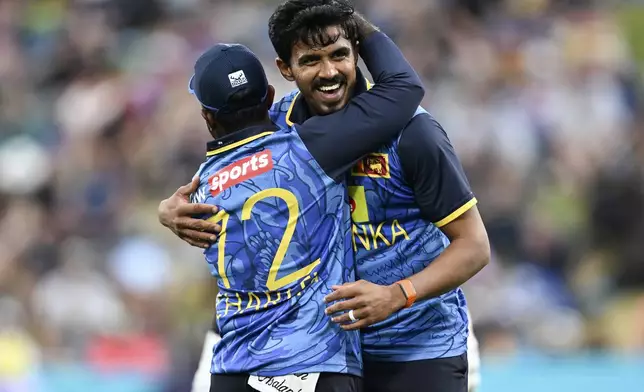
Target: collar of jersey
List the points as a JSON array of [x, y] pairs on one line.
[[298, 112], [239, 138]]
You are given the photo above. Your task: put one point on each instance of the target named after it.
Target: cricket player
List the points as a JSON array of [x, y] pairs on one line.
[[416, 229]]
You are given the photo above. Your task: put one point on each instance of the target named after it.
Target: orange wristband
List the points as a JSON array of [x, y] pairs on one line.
[[408, 290]]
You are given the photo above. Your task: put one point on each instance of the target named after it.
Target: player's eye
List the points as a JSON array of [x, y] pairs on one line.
[[340, 54], [308, 61]]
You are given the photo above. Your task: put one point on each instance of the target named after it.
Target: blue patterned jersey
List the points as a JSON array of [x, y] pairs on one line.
[[398, 205], [285, 242]]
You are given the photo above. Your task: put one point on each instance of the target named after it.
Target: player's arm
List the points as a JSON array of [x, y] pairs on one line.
[[372, 118], [443, 193]]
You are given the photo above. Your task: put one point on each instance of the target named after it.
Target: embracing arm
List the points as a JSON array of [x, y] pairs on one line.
[[336, 141]]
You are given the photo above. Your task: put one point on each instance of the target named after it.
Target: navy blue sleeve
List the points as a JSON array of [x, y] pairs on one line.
[[433, 170], [372, 118]]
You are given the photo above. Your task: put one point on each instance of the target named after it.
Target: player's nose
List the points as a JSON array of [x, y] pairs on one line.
[[327, 70]]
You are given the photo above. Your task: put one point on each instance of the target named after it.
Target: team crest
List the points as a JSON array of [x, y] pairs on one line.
[[374, 165]]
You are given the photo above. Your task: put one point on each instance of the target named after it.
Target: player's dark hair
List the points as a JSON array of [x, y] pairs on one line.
[[307, 20], [236, 119]]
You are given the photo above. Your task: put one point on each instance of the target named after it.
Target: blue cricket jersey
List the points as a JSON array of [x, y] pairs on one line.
[[401, 194], [285, 241], [286, 226]]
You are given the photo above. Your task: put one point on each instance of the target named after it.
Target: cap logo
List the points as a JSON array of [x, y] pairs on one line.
[[237, 78]]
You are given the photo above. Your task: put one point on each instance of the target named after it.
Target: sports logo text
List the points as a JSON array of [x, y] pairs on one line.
[[240, 171]]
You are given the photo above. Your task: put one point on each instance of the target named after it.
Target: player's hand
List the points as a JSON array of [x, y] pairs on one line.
[[177, 214], [370, 303]]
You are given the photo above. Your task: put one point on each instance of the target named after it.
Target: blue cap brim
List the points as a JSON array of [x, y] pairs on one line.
[[191, 88]]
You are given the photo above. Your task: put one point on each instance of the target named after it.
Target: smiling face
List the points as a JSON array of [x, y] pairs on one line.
[[324, 75]]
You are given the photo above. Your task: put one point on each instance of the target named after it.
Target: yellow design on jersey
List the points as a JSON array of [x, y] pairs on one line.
[[358, 200]]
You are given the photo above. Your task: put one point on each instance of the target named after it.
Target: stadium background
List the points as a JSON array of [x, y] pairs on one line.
[[542, 100]]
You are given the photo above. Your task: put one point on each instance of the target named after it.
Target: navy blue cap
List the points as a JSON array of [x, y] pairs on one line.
[[224, 70]]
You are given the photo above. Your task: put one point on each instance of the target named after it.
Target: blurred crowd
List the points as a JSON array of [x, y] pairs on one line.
[[540, 98]]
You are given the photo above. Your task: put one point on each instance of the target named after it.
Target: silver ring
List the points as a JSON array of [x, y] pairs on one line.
[[352, 316]]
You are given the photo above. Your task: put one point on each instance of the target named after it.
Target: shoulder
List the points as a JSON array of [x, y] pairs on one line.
[[422, 131], [422, 119], [285, 102], [291, 96]]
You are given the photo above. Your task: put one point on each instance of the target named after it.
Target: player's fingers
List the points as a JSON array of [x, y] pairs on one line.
[[190, 187], [345, 318], [343, 292], [198, 244], [197, 225], [197, 235], [362, 323], [343, 305], [192, 209]]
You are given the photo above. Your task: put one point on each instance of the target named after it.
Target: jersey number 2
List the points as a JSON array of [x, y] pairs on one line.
[[273, 283]]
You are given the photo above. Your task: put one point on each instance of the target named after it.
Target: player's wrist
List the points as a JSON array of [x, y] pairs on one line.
[[408, 290], [398, 298]]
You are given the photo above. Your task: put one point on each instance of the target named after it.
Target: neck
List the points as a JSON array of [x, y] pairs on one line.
[[310, 109]]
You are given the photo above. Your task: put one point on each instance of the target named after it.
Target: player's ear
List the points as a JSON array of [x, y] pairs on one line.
[[210, 121], [285, 69], [270, 96], [207, 115]]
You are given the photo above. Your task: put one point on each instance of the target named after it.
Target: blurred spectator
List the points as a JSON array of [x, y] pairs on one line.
[[76, 300]]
